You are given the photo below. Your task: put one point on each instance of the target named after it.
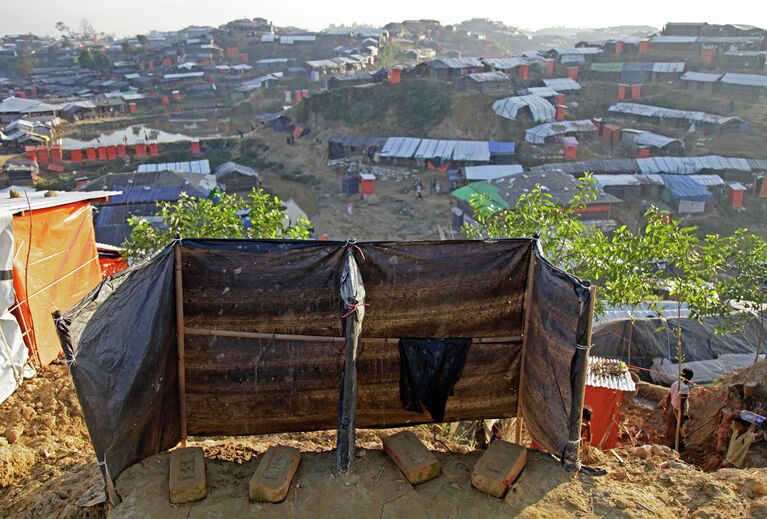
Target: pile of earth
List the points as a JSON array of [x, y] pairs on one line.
[[46, 458]]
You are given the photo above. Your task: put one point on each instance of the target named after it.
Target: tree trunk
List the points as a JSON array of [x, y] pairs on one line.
[[678, 373]]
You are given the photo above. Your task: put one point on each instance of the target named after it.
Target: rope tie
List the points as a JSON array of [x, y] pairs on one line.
[[352, 309]]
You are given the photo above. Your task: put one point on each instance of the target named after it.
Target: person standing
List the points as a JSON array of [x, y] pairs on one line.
[[676, 408]]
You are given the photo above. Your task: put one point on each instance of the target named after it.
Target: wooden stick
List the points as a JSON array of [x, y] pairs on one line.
[[180, 329], [235, 334], [525, 325]]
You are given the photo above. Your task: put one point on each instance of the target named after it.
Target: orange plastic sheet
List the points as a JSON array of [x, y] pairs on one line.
[[606, 415], [58, 270]]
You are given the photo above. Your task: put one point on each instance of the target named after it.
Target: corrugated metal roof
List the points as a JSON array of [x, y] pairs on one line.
[[674, 39], [14, 105], [538, 134], [195, 166], [460, 63], [756, 80], [37, 200], [492, 172], [542, 110], [703, 77], [563, 84], [708, 180], [610, 374]]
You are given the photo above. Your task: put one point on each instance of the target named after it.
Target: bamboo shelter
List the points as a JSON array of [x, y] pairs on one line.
[[242, 337]]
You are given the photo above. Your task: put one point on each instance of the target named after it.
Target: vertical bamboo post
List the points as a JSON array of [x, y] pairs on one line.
[[180, 343], [582, 382], [526, 316]]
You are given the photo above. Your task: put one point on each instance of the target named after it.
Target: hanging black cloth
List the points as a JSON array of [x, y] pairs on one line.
[[429, 370]]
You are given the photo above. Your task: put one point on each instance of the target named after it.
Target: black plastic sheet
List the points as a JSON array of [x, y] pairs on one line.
[[430, 368], [124, 340]]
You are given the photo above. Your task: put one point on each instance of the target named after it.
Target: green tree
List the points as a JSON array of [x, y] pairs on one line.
[[62, 28], [216, 217], [743, 285], [85, 59], [388, 54], [24, 64], [143, 41]]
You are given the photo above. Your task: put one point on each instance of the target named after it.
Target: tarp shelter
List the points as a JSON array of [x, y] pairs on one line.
[[48, 252], [540, 109], [607, 383], [650, 342], [242, 337]]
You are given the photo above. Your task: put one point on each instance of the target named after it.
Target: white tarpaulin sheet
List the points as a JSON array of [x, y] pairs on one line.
[[541, 110], [492, 172], [705, 370], [472, 151], [538, 134], [13, 352], [400, 147], [435, 149]]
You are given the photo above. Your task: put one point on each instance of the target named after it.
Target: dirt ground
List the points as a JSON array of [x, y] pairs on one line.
[[650, 482], [47, 465], [393, 213]]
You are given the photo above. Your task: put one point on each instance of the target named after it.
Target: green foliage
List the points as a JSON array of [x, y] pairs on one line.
[[24, 64], [388, 54], [142, 40], [93, 60], [415, 104], [215, 217]]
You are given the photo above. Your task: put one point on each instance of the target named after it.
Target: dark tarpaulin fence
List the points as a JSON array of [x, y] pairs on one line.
[[239, 380]]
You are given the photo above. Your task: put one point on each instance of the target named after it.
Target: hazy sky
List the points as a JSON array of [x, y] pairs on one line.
[[134, 16]]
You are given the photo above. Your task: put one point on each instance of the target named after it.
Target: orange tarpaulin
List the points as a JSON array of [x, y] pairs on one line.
[[605, 404], [63, 268]]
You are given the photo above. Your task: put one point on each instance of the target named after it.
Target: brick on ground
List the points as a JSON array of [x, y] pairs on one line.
[[271, 480], [412, 457], [498, 467], [186, 480]]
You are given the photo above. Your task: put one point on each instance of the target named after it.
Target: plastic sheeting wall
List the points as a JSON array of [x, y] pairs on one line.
[[63, 268], [13, 352], [123, 340]]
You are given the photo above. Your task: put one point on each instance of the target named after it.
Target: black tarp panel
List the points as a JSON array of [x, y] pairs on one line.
[[246, 386], [125, 367], [557, 322], [444, 289], [265, 286], [652, 338]]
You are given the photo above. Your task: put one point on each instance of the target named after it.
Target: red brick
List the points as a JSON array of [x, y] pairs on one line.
[[187, 475], [412, 457], [498, 467], [271, 480]]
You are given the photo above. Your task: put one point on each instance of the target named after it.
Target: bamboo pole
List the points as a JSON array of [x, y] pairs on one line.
[[526, 323], [584, 375], [180, 343], [235, 334], [678, 373]]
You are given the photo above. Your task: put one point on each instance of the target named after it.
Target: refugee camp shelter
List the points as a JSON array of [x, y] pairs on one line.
[[236, 178], [49, 254], [684, 195], [537, 108], [242, 337], [658, 116], [546, 133], [641, 338], [484, 82], [608, 382]]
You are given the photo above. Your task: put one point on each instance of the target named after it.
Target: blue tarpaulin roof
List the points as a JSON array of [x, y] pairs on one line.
[[499, 148], [685, 188]]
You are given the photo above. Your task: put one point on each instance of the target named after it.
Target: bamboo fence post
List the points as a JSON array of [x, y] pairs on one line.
[[180, 343], [528, 298]]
